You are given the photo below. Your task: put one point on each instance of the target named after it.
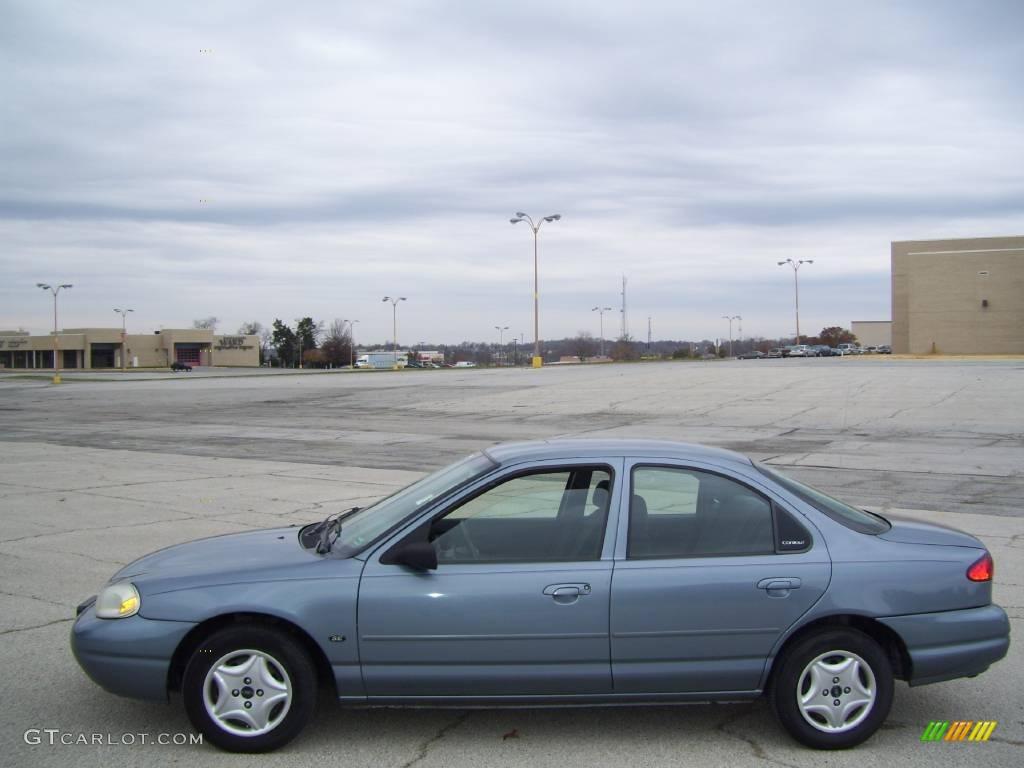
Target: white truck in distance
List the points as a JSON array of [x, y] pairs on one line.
[[380, 360]]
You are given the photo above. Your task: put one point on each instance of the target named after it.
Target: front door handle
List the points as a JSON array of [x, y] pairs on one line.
[[566, 593]]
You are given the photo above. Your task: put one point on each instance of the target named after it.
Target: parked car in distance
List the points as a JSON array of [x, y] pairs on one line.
[[177, 365], [849, 349], [751, 355], [465, 364], [885, 349], [824, 350], [775, 352], [544, 573], [800, 350]]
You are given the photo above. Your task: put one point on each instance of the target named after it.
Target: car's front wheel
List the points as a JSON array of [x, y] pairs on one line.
[[833, 689], [249, 689]]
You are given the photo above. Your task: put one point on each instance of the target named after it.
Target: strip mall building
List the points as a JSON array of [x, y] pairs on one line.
[[101, 348]]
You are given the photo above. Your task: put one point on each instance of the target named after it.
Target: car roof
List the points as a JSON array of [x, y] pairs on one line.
[[539, 450]]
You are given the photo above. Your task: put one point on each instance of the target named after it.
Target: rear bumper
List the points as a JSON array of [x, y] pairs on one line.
[[129, 657], [952, 644]]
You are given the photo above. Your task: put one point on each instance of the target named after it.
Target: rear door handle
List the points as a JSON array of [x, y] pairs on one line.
[[777, 583]]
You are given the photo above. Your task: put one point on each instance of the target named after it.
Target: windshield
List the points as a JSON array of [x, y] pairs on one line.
[[367, 525], [851, 517]]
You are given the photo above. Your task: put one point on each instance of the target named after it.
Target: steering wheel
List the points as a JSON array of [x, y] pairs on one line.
[[460, 536]]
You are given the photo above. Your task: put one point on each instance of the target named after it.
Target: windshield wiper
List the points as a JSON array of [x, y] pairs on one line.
[[330, 530]]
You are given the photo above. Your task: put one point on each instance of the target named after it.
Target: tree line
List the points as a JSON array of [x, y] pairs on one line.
[[311, 344]]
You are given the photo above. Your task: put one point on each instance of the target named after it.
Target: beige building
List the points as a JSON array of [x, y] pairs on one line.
[[872, 333], [101, 348], [958, 296]]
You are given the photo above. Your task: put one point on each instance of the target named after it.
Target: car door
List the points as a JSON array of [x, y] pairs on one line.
[[709, 573], [518, 603]]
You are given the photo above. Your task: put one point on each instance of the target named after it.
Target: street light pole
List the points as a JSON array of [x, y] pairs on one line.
[[124, 334], [394, 326], [538, 361], [796, 288], [600, 313], [730, 319], [501, 338], [56, 342], [352, 344]]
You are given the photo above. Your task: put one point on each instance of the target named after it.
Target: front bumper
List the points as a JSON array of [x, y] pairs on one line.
[[952, 644], [129, 657]]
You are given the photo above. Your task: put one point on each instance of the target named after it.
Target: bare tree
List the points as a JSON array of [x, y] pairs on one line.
[[583, 345], [337, 343], [254, 328], [209, 323], [625, 349], [265, 337]]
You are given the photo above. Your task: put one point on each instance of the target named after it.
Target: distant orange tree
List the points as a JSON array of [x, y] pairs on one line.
[[834, 336]]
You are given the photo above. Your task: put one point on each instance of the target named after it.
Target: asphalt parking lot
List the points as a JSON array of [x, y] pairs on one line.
[[98, 472]]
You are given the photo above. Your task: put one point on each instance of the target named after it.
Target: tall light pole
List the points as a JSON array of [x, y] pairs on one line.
[[394, 326], [56, 343], [538, 361], [124, 333], [501, 338], [352, 343], [796, 288], [600, 313], [730, 319]]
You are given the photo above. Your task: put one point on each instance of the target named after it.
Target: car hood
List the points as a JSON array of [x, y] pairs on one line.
[[231, 558], [907, 531]]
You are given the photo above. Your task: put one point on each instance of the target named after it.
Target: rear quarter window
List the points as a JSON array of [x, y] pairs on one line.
[[851, 517]]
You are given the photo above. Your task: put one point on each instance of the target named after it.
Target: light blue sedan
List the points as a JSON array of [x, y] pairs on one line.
[[568, 572]]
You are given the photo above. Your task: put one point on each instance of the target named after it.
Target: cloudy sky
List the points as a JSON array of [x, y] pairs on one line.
[[350, 150]]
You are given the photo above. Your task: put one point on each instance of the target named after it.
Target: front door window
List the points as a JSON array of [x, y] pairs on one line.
[[556, 516]]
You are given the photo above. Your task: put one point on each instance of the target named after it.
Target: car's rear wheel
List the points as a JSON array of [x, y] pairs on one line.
[[833, 689], [249, 689]]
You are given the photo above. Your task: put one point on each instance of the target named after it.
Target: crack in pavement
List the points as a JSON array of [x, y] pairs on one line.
[[1011, 742], [755, 747], [116, 563], [35, 597], [87, 488], [61, 532], [424, 748], [37, 626]]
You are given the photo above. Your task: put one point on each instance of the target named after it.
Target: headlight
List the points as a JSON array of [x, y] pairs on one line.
[[118, 601]]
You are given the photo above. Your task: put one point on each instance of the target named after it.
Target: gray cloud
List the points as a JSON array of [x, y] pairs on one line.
[[352, 150]]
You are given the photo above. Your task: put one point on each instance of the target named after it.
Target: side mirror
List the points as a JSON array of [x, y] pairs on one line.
[[418, 555]]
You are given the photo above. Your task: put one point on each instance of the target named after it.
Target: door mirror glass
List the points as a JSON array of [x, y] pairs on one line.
[[418, 555]]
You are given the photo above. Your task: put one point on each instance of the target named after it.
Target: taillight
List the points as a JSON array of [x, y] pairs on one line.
[[983, 569]]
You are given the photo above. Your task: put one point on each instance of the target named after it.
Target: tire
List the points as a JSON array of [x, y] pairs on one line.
[[281, 689], [835, 665]]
